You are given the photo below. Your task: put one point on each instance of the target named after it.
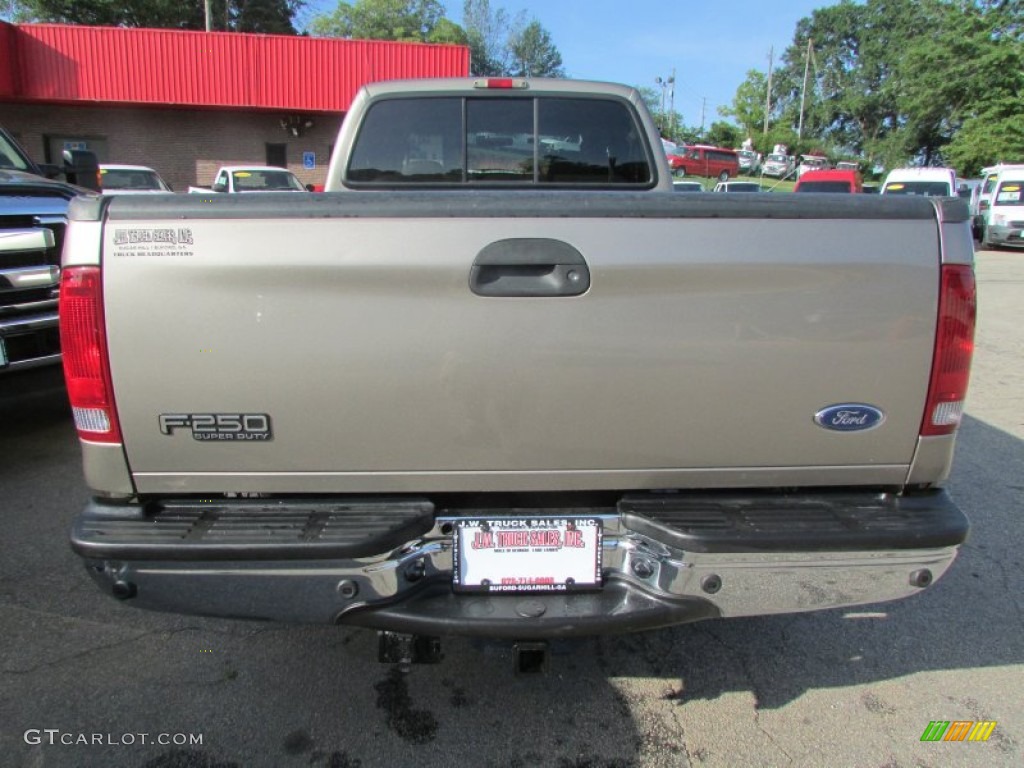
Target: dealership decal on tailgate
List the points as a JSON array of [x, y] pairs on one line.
[[543, 554]]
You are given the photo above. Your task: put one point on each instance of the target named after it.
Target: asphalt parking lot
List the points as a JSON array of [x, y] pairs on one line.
[[838, 688]]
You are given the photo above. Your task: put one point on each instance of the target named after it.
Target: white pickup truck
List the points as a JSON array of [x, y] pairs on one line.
[[500, 380], [251, 178]]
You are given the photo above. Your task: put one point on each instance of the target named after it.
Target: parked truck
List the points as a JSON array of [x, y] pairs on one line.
[[233, 179], [33, 217], [494, 385]]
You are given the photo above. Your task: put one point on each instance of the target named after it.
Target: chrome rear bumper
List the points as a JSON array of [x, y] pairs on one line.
[[656, 570]]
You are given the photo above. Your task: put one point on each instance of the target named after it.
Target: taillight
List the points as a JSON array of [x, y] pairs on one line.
[[954, 346], [83, 343]]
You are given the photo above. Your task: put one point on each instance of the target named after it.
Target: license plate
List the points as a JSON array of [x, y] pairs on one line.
[[515, 555]]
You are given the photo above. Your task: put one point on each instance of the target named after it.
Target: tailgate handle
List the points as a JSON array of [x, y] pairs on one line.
[[529, 267]]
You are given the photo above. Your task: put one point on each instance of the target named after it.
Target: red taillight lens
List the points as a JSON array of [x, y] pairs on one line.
[[954, 346], [84, 348], [500, 83]]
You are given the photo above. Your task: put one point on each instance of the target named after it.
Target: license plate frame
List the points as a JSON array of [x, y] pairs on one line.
[[524, 555]]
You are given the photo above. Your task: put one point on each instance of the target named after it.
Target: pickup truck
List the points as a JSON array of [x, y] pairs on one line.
[[252, 178], [33, 217], [500, 380], [778, 165]]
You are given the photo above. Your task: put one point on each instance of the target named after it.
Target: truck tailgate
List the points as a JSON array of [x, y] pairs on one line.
[[712, 333]]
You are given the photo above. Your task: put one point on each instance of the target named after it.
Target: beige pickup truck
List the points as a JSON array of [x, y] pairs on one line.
[[501, 380]]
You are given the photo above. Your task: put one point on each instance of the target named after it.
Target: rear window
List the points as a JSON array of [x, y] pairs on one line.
[[120, 178], [824, 186], [513, 142], [266, 181], [926, 188], [1009, 193]]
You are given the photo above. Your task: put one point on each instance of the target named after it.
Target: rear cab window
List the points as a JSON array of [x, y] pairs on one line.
[[265, 181], [825, 186], [516, 142], [926, 188], [131, 179], [1009, 193]]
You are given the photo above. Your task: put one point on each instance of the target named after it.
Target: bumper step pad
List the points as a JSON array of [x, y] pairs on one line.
[[250, 530], [827, 522]]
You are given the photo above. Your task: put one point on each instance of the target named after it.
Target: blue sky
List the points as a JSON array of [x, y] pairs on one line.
[[710, 43]]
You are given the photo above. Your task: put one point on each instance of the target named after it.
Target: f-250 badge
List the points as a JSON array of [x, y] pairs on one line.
[[253, 427], [849, 417]]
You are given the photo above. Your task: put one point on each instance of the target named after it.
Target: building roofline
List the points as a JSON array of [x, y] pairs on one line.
[[75, 65]]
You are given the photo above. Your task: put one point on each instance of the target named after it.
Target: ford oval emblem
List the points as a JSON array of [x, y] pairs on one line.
[[849, 417]]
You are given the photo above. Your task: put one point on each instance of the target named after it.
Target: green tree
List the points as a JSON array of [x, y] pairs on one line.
[[503, 45], [488, 31], [447, 31], [403, 20], [271, 17], [908, 81], [534, 54], [722, 134], [10, 10], [268, 16], [853, 67], [748, 104], [965, 86]]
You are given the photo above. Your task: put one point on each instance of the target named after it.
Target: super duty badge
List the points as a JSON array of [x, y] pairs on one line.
[[253, 427]]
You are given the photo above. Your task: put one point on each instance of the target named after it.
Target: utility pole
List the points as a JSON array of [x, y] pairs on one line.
[[209, 22], [672, 101], [803, 91], [703, 106], [665, 84], [768, 96]]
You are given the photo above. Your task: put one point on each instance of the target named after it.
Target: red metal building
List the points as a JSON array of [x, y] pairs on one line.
[[187, 102]]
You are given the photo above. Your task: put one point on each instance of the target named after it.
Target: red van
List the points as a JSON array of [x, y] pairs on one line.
[[830, 181], [701, 160]]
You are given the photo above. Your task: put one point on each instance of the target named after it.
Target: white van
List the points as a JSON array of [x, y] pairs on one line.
[[980, 203], [1003, 216], [931, 182]]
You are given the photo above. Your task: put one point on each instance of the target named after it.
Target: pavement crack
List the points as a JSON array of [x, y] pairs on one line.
[[54, 614], [762, 729], [80, 655], [1009, 590]]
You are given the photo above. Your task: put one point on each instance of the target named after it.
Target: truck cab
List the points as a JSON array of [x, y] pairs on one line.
[[33, 217]]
